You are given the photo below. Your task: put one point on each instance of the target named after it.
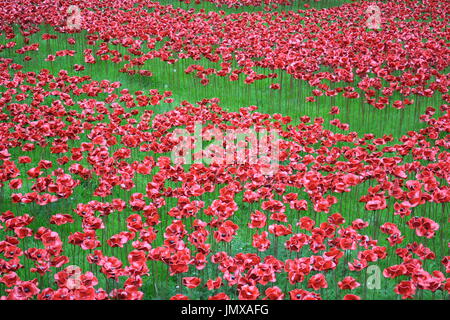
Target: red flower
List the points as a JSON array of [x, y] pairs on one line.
[[247, 292], [258, 220], [191, 282], [299, 294], [24, 290], [274, 293], [351, 297], [348, 283], [406, 289], [179, 297], [219, 296], [214, 284], [317, 282]]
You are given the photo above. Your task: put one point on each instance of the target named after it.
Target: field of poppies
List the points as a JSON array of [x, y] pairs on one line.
[[224, 149]]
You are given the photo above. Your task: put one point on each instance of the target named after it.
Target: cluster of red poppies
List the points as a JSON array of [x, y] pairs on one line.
[[102, 152], [331, 48], [103, 142]]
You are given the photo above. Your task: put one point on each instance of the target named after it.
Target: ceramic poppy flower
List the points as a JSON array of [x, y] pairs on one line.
[[348, 283], [247, 292], [191, 282]]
